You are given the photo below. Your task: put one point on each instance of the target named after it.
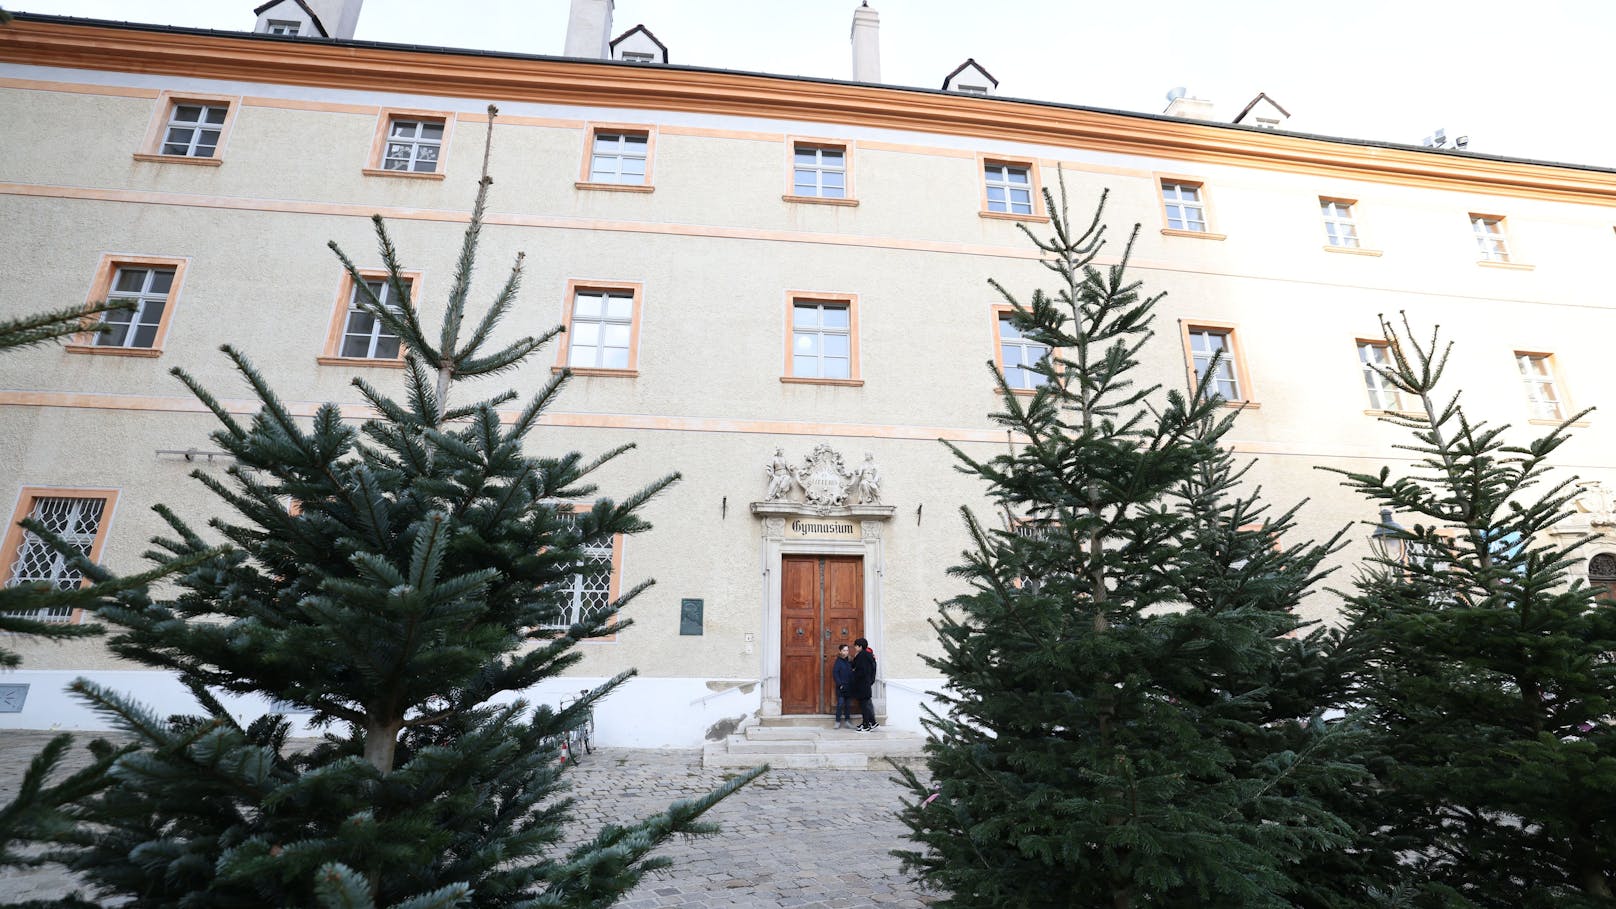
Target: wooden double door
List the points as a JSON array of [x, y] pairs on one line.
[[821, 607]]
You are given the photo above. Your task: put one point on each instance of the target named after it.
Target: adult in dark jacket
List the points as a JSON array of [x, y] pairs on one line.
[[841, 674], [864, 682]]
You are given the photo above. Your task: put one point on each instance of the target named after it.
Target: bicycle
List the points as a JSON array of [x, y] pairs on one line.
[[580, 739]]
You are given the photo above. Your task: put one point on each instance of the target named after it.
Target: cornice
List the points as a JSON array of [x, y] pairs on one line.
[[588, 83]]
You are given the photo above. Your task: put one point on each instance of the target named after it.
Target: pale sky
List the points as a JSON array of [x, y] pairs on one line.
[[1521, 79]]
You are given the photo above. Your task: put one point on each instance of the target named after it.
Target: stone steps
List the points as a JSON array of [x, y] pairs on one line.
[[810, 743]]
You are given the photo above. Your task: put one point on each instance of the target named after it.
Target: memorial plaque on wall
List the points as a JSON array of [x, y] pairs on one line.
[[690, 616]]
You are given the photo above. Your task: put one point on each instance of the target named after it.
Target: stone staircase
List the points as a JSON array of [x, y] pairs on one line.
[[811, 742]]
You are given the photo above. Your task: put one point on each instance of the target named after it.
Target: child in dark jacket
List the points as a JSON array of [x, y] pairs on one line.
[[841, 675]]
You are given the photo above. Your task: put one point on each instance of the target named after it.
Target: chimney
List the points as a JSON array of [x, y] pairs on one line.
[[589, 30], [866, 44], [1180, 104], [340, 17]]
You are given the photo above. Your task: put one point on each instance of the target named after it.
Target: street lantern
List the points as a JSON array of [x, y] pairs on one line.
[[1387, 541]]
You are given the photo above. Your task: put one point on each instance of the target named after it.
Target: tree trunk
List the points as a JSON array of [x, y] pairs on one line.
[[380, 742]]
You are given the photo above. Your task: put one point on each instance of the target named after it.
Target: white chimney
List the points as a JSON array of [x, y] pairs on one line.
[[1180, 104], [340, 17], [589, 30], [866, 44]]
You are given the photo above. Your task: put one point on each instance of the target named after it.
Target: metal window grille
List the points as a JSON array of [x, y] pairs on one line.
[[1185, 210], [75, 521], [1339, 228], [1009, 188], [413, 145], [147, 289], [364, 337], [1020, 356], [819, 172], [1490, 238], [601, 328], [193, 129], [821, 341], [589, 593], [1383, 395], [619, 158], [1541, 393], [1207, 345]]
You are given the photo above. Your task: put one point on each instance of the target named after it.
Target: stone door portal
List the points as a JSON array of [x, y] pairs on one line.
[[821, 607]]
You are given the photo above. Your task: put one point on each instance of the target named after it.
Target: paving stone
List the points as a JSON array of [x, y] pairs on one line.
[[814, 838]]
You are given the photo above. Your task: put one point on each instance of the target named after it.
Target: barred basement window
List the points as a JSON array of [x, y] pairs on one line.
[[77, 521], [589, 593]]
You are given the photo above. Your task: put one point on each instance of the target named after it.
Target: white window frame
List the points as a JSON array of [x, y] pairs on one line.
[[601, 322], [1543, 393], [377, 332], [638, 57], [1185, 206], [286, 27], [817, 170], [1340, 227], [193, 145], [578, 586], [1226, 383], [1383, 395], [998, 175], [607, 166], [413, 144], [1024, 357], [143, 317], [1491, 238], [820, 331]]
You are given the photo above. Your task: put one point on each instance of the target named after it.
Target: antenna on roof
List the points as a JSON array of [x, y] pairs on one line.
[[1176, 93]]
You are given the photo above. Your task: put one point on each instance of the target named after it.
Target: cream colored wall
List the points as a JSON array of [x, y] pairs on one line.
[[717, 250]]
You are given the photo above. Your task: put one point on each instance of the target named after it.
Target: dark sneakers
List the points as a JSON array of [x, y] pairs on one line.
[[865, 727]]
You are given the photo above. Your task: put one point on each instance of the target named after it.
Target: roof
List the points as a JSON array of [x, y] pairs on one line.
[[647, 32], [969, 62], [1261, 96], [312, 16]]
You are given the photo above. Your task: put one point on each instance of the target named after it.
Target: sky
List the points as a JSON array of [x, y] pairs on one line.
[[1517, 78]]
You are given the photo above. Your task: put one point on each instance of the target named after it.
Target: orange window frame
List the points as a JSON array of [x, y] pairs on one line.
[[590, 131], [983, 161], [11, 543], [850, 197], [851, 302], [1237, 359], [1561, 390], [332, 355], [102, 286], [378, 144], [156, 130], [1205, 197], [564, 349], [998, 311], [613, 583]]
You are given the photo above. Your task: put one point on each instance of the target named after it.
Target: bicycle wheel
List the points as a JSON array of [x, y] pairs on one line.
[[587, 732]]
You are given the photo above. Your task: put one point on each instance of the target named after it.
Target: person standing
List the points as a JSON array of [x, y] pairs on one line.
[[864, 682], [841, 675]]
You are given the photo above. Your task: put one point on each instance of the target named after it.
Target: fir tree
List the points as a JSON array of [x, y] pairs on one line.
[[396, 579], [1492, 686], [1113, 733]]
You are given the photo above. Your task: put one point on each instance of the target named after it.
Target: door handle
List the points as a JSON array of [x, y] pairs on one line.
[[827, 634], [799, 632]]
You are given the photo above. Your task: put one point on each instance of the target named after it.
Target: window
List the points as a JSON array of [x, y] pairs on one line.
[[1209, 342], [1017, 354], [591, 592], [638, 57], [618, 158], [1009, 188], [602, 329], [358, 338], [1186, 210], [1383, 395], [972, 89], [1602, 575], [282, 27], [819, 171], [151, 286], [188, 129], [1490, 238], [1542, 390], [410, 143], [822, 339], [1339, 228], [79, 517]]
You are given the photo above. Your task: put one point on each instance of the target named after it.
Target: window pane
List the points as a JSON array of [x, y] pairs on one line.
[[833, 178], [1007, 329], [619, 306], [187, 113], [806, 342], [805, 367], [834, 192], [836, 345], [387, 347], [635, 144], [615, 335], [806, 156], [581, 356], [162, 279], [118, 330], [145, 336], [615, 358], [587, 306], [804, 316], [836, 368], [216, 115], [832, 157], [130, 280], [586, 334], [1017, 175], [835, 316], [432, 131]]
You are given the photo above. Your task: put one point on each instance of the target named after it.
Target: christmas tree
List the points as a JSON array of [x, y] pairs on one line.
[[396, 579], [1116, 732], [1492, 685]]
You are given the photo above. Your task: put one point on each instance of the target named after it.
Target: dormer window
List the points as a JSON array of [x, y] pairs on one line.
[[969, 78], [282, 27], [637, 57], [638, 45], [972, 89]]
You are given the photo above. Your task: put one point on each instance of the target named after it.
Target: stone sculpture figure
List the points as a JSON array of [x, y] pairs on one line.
[[781, 479], [867, 480]]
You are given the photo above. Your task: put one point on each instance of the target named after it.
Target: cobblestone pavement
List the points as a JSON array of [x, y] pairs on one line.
[[814, 839]]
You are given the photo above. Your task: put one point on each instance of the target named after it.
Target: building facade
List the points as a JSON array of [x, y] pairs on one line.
[[775, 286]]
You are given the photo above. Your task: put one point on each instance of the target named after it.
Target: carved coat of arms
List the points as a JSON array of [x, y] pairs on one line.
[[823, 478]]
